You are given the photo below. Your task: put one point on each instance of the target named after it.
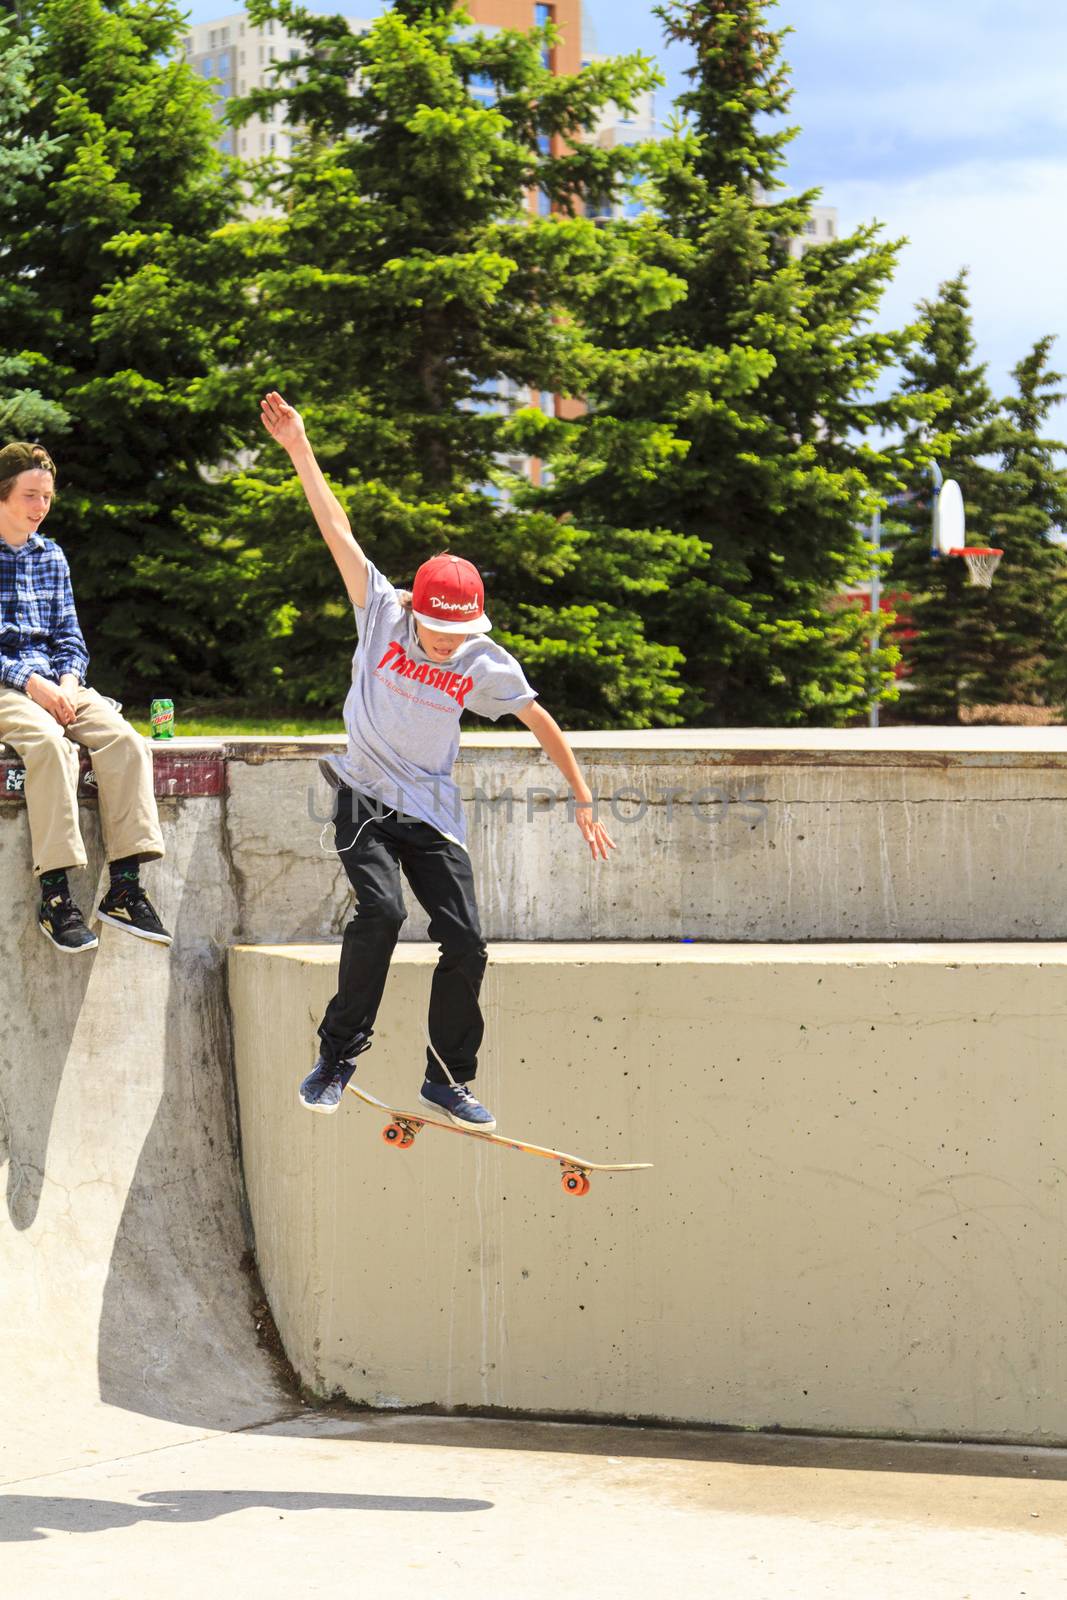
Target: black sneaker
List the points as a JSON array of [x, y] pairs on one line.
[[60, 920], [130, 908]]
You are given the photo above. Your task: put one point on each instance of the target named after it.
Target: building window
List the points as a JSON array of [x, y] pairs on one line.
[[543, 15], [544, 204], [224, 64], [829, 228], [205, 66], [810, 226]]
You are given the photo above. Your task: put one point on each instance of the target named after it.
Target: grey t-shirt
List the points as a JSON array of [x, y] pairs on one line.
[[403, 709]]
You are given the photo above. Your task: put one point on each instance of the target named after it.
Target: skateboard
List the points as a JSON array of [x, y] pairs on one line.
[[404, 1125]]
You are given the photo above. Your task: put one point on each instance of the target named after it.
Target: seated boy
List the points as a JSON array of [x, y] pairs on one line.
[[46, 712]]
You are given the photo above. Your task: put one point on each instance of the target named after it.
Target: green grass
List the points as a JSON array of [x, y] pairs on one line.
[[207, 724]]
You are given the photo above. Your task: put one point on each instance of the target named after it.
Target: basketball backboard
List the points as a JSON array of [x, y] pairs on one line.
[[950, 524]]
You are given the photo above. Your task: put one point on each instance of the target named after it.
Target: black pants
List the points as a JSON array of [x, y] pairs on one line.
[[374, 845]]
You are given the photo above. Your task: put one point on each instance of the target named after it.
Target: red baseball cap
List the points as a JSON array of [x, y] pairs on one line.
[[448, 595]]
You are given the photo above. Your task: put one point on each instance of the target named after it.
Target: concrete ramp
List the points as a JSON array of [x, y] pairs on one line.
[[126, 1306], [854, 1222]]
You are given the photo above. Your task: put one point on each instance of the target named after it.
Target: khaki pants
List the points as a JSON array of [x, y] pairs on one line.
[[122, 763]]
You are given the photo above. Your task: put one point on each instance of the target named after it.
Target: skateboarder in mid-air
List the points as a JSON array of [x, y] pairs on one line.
[[418, 665]]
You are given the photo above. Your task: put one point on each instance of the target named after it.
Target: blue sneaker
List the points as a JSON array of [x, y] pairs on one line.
[[458, 1105], [325, 1084]]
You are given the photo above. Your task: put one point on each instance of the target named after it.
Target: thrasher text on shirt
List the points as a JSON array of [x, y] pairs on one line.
[[454, 684]]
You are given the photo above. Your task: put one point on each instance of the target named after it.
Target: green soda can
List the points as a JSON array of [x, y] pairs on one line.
[[161, 713]]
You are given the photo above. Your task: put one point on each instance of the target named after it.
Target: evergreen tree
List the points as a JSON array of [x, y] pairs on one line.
[[23, 163], [737, 415], [416, 311], [129, 137], [1030, 503], [1031, 585], [974, 646]]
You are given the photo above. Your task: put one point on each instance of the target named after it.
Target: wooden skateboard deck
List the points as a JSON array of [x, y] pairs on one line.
[[404, 1125]]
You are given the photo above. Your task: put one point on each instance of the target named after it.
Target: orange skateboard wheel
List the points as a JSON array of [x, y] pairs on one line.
[[394, 1134], [576, 1183]]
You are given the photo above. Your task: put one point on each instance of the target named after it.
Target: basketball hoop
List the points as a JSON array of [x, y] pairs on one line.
[[982, 561]]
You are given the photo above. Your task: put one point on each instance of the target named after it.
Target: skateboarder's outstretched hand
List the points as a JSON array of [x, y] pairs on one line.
[[282, 421], [594, 833]]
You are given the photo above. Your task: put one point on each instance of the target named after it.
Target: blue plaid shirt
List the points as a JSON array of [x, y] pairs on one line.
[[39, 629]]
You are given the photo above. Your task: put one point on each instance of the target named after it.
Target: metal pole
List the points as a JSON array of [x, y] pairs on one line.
[[876, 607]]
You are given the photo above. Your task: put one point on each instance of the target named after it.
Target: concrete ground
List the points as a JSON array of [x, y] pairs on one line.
[[405, 1506]]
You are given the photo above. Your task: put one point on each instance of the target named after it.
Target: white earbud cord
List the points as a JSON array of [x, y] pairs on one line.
[[324, 847]]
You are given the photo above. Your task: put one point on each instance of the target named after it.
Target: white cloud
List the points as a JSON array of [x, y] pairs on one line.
[[1006, 221]]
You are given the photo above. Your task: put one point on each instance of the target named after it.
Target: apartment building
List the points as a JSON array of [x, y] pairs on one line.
[[242, 56], [618, 127], [522, 14], [821, 227]]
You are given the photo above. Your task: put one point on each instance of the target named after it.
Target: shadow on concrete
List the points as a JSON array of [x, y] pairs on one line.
[[783, 1450], [177, 1336], [25, 1517], [37, 1032]]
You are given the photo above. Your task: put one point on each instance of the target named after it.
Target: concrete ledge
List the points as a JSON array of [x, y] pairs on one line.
[[894, 746], [690, 953], [753, 837], [749, 834], [855, 1221]]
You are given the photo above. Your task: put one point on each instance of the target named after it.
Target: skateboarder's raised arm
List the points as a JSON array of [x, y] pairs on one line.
[[286, 427]]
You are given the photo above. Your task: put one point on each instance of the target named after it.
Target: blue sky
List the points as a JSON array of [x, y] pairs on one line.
[[948, 123]]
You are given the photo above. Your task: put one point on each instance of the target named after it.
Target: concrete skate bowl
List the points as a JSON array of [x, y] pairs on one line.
[[126, 1304], [123, 1244]]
